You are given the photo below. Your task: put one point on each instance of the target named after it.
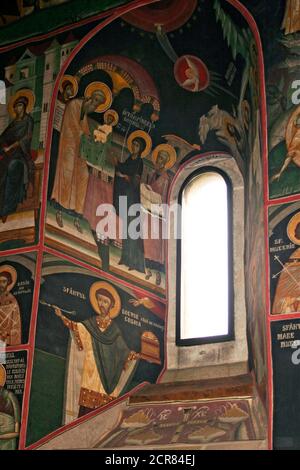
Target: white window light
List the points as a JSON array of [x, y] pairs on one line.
[[205, 302]]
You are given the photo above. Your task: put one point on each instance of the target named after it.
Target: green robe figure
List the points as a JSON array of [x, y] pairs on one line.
[[107, 364], [10, 416]]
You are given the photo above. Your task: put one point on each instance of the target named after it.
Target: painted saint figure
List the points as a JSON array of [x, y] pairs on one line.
[[68, 88], [103, 133], [287, 293], [127, 184], [10, 317], [105, 361], [10, 415], [163, 157], [101, 177], [71, 178], [192, 75], [16, 165]]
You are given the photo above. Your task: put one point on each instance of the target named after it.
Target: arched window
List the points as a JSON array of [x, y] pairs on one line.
[[204, 280], [206, 272]]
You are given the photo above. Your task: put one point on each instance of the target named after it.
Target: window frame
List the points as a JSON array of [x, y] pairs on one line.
[[230, 336]]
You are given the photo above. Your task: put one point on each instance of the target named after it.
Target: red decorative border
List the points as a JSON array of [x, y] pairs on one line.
[[107, 13], [264, 128]]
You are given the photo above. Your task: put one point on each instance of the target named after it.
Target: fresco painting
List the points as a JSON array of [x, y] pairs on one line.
[[117, 132], [16, 293], [12, 380], [282, 83], [203, 423], [284, 254], [285, 351], [23, 123], [158, 86], [99, 339], [17, 273]]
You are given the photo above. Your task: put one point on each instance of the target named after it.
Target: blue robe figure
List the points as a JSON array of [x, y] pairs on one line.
[[16, 165], [127, 183]]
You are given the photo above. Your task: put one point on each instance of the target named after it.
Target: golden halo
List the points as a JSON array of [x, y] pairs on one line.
[[99, 86], [166, 148], [26, 93], [12, 272], [143, 135], [114, 312], [291, 228], [72, 80], [2, 375], [114, 114]]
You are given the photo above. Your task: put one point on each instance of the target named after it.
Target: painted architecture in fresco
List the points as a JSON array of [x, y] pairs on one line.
[[111, 117]]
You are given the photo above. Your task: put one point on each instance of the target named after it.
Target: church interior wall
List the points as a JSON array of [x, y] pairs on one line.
[[125, 102]]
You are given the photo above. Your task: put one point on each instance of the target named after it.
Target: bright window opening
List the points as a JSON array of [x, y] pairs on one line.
[[205, 253]]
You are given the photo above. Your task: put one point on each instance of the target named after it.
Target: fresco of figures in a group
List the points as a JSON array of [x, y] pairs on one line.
[[122, 128]]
